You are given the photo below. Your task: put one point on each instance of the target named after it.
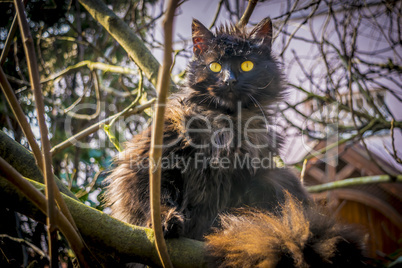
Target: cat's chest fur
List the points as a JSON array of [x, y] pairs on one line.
[[218, 153], [215, 134]]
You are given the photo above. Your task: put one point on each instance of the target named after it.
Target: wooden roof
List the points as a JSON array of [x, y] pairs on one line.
[[376, 206]]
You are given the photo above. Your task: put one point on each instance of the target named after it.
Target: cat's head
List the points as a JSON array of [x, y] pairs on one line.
[[233, 66]]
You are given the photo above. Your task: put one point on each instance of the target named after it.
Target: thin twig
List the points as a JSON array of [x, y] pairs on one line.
[[47, 170], [298, 27], [395, 154], [216, 14], [342, 141], [9, 39], [91, 65], [328, 99], [350, 78], [353, 182], [90, 187], [288, 14], [303, 171], [76, 102], [139, 95], [7, 44], [295, 11], [95, 127], [26, 242], [155, 153], [21, 118], [247, 14], [75, 241], [98, 102], [51, 189], [107, 127]]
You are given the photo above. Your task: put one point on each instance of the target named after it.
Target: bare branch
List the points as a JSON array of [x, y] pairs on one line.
[[353, 182], [395, 153], [127, 39], [95, 127], [247, 14], [76, 243], [98, 100], [7, 44], [216, 14], [91, 65], [52, 191], [47, 162], [20, 116], [108, 126], [155, 153]]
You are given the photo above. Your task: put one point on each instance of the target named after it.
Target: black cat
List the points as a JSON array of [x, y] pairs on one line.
[[218, 158]]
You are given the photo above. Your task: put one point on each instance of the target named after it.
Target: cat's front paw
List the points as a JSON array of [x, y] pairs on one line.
[[173, 224]]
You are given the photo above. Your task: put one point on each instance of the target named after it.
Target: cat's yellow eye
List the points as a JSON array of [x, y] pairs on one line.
[[247, 66], [215, 67]]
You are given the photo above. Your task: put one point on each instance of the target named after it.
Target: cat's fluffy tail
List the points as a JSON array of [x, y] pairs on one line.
[[299, 237]]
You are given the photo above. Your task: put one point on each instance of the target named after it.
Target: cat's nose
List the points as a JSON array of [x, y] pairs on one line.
[[230, 78]]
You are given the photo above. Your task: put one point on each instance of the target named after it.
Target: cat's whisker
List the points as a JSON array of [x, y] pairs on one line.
[[217, 102], [267, 85], [259, 106], [205, 98], [212, 99]]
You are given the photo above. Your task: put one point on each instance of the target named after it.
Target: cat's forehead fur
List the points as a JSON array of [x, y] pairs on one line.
[[230, 40]]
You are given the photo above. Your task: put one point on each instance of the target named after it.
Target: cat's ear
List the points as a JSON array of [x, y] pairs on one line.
[[201, 36], [263, 31]]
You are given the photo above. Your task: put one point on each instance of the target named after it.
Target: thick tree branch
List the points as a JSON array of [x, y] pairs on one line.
[[62, 222], [112, 241], [109, 239], [24, 162], [20, 116], [126, 38]]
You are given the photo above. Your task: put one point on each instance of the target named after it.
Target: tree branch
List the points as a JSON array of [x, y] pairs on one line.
[[109, 239], [95, 127], [7, 44], [91, 65], [113, 241], [247, 14], [353, 182], [126, 38], [39, 200], [218, 10], [20, 116], [155, 153], [24, 162], [40, 110]]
